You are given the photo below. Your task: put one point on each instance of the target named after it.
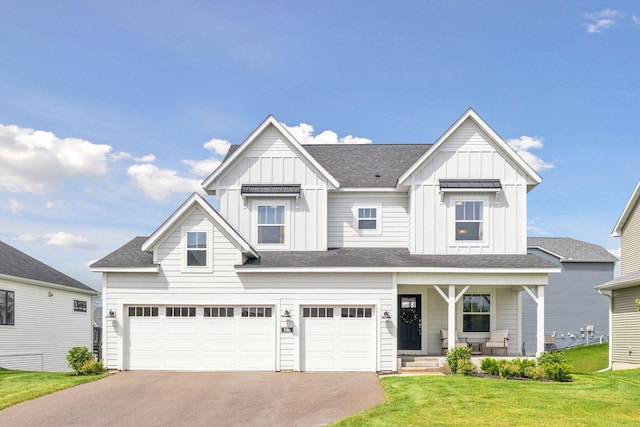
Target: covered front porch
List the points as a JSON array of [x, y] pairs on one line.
[[438, 312]]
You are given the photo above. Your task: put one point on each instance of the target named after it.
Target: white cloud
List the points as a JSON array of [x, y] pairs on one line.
[[532, 229], [522, 146], [33, 160], [635, 19], [159, 184], [27, 237], [15, 206], [602, 20], [123, 155], [303, 133], [68, 240], [218, 146]]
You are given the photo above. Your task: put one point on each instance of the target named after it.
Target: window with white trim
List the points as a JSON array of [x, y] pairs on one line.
[[367, 218], [271, 224], [143, 311], [476, 313], [356, 312], [317, 312], [196, 248], [79, 306], [218, 312], [180, 312], [469, 220], [257, 312], [7, 308]]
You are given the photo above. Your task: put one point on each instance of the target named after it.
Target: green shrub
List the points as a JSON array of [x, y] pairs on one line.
[[509, 369], [92, 367], [524, 364], [77, 357], [466, 367], [490, 366], [551, 358], [536, 373], [456, 354], [558, 372]]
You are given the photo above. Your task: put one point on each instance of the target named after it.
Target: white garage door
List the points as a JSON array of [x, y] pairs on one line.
[[338, 339], [224, 338]]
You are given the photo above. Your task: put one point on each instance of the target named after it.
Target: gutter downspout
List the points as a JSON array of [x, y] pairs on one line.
[[610, 296]]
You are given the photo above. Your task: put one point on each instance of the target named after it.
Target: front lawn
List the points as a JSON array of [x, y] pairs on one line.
[[609, 398], [590, 358], [18, 386]]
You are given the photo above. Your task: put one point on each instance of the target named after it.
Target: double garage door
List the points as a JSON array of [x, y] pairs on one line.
[[222, 338], [243, 338]]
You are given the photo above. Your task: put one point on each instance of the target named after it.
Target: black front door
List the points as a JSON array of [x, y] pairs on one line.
[[409, 322]]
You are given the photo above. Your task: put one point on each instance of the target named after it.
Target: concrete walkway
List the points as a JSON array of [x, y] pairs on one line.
[[149, 398]]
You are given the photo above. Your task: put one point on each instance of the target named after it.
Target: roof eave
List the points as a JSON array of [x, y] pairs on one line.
[[48, 284], [150, 269], [626, 212], [257, 269]]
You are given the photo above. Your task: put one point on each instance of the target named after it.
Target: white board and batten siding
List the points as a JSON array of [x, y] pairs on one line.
[[468, 154], [45, 328], [393, 215], [270, 160]]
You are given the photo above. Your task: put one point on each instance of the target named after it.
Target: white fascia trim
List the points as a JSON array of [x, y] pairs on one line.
[[47, 284], [560, 257], [470, 114], [155, 269], [395, 270], [628, 209], [247, 142], [371, 190]]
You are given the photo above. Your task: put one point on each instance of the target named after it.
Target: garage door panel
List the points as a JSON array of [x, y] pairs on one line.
[[218, 327], [180, 327], [338, 343], [218, 345]]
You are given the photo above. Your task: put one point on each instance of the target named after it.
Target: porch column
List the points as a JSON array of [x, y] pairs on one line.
[[540, 319], [451, 331]]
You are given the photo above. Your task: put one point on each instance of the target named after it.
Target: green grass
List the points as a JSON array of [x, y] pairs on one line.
[[18, 386], [594, 399], [587, 359]]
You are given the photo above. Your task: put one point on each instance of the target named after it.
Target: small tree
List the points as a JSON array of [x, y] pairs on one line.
[[78, 357]]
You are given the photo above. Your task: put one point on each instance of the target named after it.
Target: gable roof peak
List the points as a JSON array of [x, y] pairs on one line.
[[626, 212]]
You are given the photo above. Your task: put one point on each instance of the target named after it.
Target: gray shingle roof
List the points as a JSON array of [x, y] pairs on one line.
[[571, 250], [130, 255], [628, 280], [391, 258], [18, 264], [364, 165]]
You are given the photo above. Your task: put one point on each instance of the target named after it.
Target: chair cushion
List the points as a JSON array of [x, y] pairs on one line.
[[498, 335]]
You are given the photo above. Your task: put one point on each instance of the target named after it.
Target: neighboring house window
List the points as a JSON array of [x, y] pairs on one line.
[[7, 307], [180, 312], [367, 218], [476, 313], [271, 226], [356, 312], [143, 311], [218, 312], [317, 312], [196, 248], [469, 220], [256, 312], [80, 306]]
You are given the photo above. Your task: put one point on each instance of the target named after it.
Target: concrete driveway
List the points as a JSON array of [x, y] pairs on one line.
[[149, 398]]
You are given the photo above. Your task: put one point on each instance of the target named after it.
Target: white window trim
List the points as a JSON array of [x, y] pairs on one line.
[[486, 219], [288, 223], [378, 229], [492, 313], [208, 267]]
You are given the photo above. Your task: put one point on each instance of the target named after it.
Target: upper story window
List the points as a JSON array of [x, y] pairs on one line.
[[7, 307], [271, 224], [476, 313], [469, 220], [79, 306], [196, 248], [367, 218]]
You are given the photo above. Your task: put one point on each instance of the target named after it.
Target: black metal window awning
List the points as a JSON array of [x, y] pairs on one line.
[[270, 190], [491, 185]]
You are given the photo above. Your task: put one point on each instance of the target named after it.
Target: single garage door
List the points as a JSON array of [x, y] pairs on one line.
[[224, 338], [338, 339]]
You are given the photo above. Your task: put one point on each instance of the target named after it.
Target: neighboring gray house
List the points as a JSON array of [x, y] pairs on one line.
[[43, 313], [571, 305], [624, 291]]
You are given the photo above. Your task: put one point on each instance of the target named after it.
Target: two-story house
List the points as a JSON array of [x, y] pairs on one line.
[[330, 257], [624, 291]]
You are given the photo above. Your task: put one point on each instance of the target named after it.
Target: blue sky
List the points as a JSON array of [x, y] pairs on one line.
[[112, 113]]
